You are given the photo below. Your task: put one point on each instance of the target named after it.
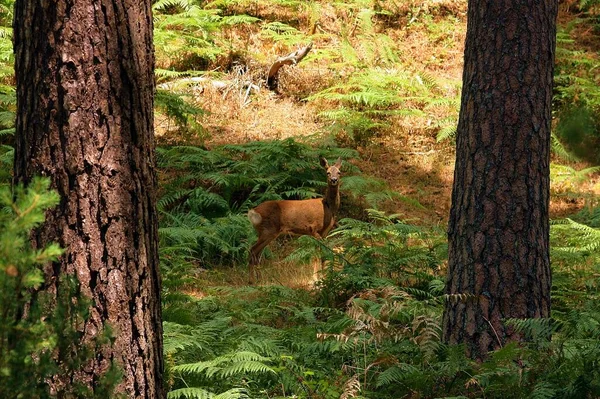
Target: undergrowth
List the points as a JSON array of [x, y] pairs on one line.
[[37, 328], [206, 194], [371, 326]]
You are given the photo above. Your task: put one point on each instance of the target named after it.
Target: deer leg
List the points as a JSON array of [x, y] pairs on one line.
[[255, 251], [317, 264]]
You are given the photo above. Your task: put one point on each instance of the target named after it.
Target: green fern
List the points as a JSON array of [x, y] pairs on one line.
[[583, 238], [446, 132], [199, 393], [281, 32], [202, 337], [237, 363], [560, 150], [368, 98], [396, 374]]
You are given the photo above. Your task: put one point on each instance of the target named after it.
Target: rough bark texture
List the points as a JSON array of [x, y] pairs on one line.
[[499, 229], [85, 97]]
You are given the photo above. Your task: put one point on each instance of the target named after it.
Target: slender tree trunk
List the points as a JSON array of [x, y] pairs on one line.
[[499, 228], [85, 92]]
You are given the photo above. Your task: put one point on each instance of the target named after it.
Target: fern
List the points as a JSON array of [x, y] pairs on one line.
[[281, 32], [199, 393], [560, 150], [582, 239], [395, 374], [202, 336], [544, 390], [369, 97], [446, 132], [176, 107], [227, 365]]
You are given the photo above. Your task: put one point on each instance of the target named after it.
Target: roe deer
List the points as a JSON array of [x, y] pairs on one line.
[[313, 217]]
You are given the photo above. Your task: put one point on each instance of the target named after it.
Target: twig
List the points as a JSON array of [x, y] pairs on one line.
[[290, 59], [494, 330], [417, 152]]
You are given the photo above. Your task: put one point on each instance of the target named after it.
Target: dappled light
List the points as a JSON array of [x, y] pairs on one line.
[[304, 159]]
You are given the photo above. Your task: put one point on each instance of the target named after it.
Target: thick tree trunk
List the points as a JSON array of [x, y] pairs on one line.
[[499, 228], [85, 92]]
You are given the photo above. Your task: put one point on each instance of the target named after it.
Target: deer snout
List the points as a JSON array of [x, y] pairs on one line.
[[334, 180]]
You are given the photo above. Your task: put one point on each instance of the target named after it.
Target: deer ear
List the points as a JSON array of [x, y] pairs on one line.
[[324, 162], [338, 163]]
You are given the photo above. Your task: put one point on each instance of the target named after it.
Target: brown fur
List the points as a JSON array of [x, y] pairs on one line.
[[314, 217]]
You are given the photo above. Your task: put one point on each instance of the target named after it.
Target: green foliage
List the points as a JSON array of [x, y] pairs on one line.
[[183, 32], [383, 342], [372, 326], [207, 193], [37, 331], [569, 178], [281, 32], [578, 130], [181, 110], [278, 343], [576, 93], [6, 47], [6, 162], [199, 393], [365, 254], [368, 99], [580, 237]]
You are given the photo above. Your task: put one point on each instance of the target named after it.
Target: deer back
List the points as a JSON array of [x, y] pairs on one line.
[[303, 217]]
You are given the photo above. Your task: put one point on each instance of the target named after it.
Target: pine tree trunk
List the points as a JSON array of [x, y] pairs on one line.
[[499, 227], [85, 92]]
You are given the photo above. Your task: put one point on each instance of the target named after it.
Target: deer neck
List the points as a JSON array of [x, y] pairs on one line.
[[332, 198]]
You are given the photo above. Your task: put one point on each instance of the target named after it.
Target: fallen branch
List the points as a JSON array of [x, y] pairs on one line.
[[197, 80], [290, 59]]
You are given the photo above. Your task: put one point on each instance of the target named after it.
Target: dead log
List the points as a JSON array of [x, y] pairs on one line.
[[290, 59]]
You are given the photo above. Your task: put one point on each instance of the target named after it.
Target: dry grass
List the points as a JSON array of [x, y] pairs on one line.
[[407, 156], [274, 272], [429, 36], [260, 116]]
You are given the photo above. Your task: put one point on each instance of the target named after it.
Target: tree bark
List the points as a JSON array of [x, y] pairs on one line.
[[85, 93], [499, 265]]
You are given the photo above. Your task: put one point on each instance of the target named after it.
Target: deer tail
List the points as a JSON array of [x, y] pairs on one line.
[[254, 217]]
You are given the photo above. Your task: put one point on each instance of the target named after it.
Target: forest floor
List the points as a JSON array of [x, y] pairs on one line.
[[407, 155]]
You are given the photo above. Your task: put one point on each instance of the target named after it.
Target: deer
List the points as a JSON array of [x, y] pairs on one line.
[[314, 217]]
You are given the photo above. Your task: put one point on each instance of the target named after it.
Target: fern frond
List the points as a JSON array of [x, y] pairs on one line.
[[199, 393], [246, 367], [351, 387], [559, 149], [202, 336], [237, 363], [427, 80], [190, 393], [161, 5], [447, 132], [586, 239], [395, 374], [238, 20], [535, 328], [7, 132], [544, 390]]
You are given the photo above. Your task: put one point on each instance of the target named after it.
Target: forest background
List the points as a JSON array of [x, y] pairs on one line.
[[381, 89]]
